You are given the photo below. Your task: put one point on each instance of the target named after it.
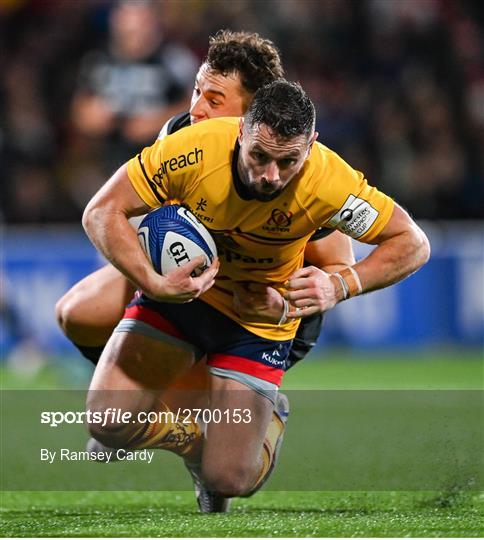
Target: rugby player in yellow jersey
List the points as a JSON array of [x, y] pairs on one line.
[[237, 64], [248, 172]]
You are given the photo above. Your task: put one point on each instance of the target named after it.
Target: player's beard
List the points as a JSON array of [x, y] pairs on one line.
[[263, 196], [254, 187]]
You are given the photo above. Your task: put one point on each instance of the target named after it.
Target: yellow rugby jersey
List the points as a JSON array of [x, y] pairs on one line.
[[260, 241]]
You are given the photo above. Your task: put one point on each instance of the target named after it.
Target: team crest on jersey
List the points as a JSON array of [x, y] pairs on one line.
[[355, 217], [279, 221]]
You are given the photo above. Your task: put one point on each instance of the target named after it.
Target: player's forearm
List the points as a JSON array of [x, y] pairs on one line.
[[331, 253], [106, 223], [114, 237], [393, 260], [402, 249]]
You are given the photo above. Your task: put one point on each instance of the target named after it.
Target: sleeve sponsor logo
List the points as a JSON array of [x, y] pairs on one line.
[[355, 217], [175, 163]]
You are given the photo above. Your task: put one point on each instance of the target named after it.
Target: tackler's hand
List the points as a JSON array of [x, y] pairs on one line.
[[258, 302], [309, 291]]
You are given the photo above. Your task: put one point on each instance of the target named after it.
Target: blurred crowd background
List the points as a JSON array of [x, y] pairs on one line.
[[398, 86], [399, 90]]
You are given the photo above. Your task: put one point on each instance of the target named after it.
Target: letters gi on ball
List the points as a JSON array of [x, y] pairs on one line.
[[171, 236]]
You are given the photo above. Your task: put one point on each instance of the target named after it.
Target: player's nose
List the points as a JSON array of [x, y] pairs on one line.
[[271, 173], [197, 110]]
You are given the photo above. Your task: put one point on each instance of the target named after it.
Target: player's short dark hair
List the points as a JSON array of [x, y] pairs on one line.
[[284, 107], [254, 58]]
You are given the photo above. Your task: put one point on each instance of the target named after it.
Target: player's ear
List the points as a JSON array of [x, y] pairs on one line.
[[311, 142], [241, 129]]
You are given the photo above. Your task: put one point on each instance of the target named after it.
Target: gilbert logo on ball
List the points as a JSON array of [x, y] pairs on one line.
[[171, 236]]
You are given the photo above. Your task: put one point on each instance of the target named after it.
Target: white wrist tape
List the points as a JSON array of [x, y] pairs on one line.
[[283, 318], [344, 285], [350, 275]]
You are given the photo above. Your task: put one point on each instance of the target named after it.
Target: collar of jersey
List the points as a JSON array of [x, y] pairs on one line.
[[240, 188]]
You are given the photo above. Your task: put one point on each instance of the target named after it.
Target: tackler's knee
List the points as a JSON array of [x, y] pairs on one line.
[[67, 312]]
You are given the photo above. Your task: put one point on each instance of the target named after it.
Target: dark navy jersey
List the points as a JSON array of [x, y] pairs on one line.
[[175, 123]]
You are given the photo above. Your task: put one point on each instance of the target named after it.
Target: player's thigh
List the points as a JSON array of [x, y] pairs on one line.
[[233, 445], [190, 391], [90, 310], [134, 371]]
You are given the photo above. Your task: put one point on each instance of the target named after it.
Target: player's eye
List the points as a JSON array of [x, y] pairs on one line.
[[196, 91], [215, 102], [286, 162], [259, 156]]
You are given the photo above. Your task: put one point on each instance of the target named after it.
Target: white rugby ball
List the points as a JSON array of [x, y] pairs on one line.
[[172, 236]]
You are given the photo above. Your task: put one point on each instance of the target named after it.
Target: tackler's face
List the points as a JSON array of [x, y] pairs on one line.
[[216, 95], [267, 163]]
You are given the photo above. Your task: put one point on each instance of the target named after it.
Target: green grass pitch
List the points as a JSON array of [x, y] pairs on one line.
[[451, 513], [272, 514]]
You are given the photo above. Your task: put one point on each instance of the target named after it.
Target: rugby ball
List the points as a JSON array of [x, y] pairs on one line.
[[172, 236]]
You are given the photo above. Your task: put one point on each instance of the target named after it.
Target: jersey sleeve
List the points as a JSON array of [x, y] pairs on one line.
[[358, 209], [167, 169]]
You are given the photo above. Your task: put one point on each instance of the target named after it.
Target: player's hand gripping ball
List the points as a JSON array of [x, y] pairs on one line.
[[171, 236]]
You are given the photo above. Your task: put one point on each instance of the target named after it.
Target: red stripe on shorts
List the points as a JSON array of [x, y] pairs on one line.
[[247, 366], [154, 319]]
